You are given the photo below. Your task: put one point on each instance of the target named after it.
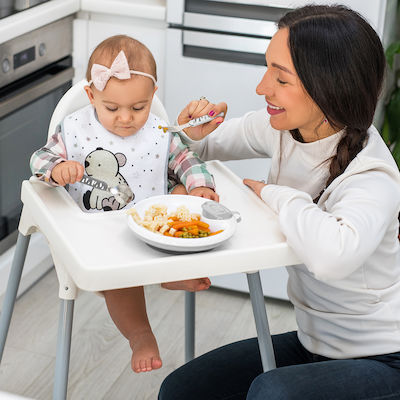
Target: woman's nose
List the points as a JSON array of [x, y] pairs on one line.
[[264, 88]]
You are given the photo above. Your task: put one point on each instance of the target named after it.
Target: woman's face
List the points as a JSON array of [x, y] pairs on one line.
[[289, 104]]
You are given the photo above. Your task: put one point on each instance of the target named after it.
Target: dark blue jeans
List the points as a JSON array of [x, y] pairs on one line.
[[234, 372]]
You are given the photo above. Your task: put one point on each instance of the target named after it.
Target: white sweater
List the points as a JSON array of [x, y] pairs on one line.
[[347, 293]]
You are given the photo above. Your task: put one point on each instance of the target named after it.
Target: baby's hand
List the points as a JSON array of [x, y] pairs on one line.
[[205, 192], [67, 172]]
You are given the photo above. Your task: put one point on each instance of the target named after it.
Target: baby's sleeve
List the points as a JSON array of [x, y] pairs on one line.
[[187, 167], [46, 158]]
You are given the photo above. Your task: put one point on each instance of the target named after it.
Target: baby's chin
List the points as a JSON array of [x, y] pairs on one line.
[[124, 132]]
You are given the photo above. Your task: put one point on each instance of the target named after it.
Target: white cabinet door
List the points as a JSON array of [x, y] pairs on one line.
[[89, 33]]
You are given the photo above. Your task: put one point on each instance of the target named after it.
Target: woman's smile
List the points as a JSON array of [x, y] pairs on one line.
[[273, 109]]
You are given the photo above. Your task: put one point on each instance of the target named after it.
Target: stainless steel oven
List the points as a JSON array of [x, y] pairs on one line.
[[35, 71]]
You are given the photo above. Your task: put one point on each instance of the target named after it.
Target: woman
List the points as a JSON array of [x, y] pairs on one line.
[[336, 190]]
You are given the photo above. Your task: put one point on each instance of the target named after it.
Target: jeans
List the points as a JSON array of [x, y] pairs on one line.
[[234, 372]]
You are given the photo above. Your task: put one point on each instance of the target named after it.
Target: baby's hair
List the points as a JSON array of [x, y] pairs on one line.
[[138, 55]]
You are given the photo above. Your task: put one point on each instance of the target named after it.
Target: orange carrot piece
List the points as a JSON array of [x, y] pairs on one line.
[[194, 231], [216, 232], [178, 233], [202, 224], [180, 225]]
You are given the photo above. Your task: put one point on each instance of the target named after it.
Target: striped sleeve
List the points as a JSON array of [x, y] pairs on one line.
[[46, 158], [186, 166]]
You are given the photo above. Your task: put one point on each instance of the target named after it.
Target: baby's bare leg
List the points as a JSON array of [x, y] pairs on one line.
[[191, 285], [127, 308]]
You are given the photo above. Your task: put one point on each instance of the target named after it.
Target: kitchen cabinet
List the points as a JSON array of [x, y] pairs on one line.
[[90, 28]]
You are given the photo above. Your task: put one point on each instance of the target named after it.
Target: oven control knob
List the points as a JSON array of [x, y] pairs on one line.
[[42, 49], [5, 65]]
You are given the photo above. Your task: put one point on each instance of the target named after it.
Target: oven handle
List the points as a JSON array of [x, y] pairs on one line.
[[32, 93], [224, 47]]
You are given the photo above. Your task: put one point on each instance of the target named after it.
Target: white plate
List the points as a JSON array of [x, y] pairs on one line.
[[181, 245]]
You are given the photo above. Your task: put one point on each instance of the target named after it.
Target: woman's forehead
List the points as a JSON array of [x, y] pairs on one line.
[[278, 50]]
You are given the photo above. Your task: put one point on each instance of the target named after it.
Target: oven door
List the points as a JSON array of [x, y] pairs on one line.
[[26, 107]]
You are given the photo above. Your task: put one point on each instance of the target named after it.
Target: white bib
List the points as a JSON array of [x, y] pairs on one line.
[[140, 160]]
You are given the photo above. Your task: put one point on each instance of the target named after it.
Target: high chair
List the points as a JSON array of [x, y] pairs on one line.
[[97, 251], [72, 100]]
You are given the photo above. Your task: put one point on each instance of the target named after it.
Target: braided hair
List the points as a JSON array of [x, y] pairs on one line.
[[340, 61]]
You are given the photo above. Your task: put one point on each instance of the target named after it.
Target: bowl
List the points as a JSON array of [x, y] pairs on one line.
[[195, 205]]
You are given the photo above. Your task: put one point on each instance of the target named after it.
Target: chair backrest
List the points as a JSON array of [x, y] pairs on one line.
[[76, 98]]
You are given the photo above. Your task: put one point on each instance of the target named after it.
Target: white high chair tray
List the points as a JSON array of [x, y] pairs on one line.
[[104, 254]]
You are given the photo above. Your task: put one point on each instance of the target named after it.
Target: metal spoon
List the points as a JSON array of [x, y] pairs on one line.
[[193, 122], [122, 192]]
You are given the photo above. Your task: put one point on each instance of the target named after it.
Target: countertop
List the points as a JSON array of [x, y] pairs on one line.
[[35, 17], [153, 9], [43, 14]]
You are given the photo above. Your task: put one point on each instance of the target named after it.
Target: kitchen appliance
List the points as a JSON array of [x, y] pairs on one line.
[[10, 7], [35, 71], [217, 49]]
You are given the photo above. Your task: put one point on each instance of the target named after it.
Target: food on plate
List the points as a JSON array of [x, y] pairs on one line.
[[180, 224]]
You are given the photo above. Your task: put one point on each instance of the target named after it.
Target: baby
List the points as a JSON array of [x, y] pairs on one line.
[[117, 140]]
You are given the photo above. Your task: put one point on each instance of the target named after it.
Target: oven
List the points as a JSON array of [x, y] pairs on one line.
[[35, 71]]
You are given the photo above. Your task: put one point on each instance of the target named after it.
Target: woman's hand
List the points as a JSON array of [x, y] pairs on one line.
[[198, 108], [67, 172], [255, 186]]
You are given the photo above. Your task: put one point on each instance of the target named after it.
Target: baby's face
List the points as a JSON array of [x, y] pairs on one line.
[[123, 107]]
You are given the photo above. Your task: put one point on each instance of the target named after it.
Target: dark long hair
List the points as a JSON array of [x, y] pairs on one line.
[[340, 61]]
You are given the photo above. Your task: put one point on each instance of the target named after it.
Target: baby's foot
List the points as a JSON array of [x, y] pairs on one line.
[[190, 285], [145, 354]]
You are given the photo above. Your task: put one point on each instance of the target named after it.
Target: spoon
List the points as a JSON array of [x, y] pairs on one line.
[[122, 192], [193, 122]]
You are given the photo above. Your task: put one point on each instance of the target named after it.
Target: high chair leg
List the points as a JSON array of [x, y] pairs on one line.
[[63, 349], [260, 316], [190, 303], [12, 288]]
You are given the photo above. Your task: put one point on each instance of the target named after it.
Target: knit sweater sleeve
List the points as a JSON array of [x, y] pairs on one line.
[[250, 136], [46, 158], [333, 242]]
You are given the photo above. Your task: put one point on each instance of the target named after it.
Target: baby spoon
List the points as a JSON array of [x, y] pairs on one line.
[[122, 192], [193, 122]]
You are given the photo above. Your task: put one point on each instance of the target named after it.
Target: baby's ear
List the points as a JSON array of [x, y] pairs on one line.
[[89, 93]]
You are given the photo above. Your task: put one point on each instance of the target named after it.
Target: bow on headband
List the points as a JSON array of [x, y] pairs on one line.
[[119, 69]]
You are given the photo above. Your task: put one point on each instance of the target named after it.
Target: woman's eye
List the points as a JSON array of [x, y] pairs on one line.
[[281, 82]]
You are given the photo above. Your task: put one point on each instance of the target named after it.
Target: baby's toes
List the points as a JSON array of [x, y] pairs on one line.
[[156, 363], [143, 365]]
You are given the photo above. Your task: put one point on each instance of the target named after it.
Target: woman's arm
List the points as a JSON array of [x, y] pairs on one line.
[[250, 136], [334, 243]]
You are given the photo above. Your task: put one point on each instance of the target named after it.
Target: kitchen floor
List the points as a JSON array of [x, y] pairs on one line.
[[100, 355]]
